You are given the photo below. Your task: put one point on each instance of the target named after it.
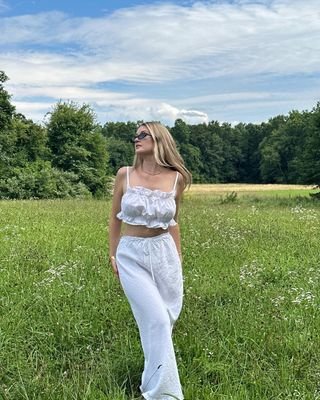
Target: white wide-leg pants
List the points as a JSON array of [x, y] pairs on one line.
[[151, 276]]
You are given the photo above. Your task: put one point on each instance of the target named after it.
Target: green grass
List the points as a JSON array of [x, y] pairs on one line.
[[281, 193], [249, 328]]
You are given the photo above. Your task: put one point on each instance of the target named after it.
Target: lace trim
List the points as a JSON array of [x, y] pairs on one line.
[[150, 192], [142, 221]]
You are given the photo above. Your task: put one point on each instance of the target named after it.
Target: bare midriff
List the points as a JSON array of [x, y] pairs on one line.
[[142, 231]]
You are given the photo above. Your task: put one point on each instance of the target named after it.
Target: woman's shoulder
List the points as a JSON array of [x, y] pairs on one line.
[[122, 171], [180, 180], [177, 177], [121, 175], [176, 174]]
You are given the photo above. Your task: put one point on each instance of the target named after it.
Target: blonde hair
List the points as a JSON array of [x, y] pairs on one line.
[[165, 151]]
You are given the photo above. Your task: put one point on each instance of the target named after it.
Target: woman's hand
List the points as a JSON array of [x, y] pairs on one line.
[[114, 266]]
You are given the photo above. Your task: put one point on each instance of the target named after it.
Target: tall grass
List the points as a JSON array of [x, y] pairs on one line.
[[249, 328]]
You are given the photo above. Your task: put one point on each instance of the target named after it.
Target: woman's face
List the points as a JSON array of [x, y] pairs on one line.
[[143, 142]]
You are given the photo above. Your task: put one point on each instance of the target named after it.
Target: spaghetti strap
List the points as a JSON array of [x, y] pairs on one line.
[[128, 183], [175, 182]]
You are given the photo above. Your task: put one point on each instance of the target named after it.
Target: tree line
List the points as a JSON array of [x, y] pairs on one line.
[[72, 155]]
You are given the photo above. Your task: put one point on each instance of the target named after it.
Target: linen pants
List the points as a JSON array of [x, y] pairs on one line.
[[151, 276]]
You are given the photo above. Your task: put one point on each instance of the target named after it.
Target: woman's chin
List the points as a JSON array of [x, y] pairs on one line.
[[142, 151]]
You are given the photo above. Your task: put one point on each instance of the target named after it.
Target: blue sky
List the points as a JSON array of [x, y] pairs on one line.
[[231, 61]]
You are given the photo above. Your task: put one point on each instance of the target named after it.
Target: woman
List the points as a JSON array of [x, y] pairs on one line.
[[147, 258]]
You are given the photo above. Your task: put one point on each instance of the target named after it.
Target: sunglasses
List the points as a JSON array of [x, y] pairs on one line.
[[142, 135]]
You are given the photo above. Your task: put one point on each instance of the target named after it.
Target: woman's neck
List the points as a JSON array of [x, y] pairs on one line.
[[150, 166]]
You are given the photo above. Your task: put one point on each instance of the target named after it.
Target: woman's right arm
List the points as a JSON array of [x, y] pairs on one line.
[[114, 222]]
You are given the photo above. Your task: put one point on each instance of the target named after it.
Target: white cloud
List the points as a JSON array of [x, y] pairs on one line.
[[164, 42], [169, 113], [34, 110], [152, 110], [81, 94], [36, 68], [253, 97], [56, 56], [108, 105]]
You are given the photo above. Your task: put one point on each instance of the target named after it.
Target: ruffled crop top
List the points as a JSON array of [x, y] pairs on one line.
[[151, 208]]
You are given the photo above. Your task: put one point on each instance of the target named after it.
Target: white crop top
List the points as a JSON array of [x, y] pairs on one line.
[[151, 208]]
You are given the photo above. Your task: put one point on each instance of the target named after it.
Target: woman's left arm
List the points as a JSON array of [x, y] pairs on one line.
[[175, 230]]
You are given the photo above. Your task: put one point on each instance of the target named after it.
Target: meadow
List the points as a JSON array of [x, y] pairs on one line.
[[250, 324]]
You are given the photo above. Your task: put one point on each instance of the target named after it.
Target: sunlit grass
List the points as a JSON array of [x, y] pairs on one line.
[[249, 328], [244, 189]]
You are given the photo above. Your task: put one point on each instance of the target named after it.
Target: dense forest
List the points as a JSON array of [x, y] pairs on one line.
[[71, 155]]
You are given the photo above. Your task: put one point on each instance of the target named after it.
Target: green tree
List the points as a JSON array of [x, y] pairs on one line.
[[193, 161], [6, 108], [119, 143], [180, 132], [120, 152], [250, 136], [206, 138], [30, 140], [270, 166], [232, 154], [124, 131], [191, 154], [281, 150], [309, 163], [77, 144], [6, 116]]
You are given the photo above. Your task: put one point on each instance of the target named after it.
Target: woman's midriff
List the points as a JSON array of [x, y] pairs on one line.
[[142, 231]]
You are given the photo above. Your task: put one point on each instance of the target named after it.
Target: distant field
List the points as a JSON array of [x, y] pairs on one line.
[[251, 189]]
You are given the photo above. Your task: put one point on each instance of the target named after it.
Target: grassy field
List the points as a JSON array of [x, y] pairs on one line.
[[252, 190], [250, 324]]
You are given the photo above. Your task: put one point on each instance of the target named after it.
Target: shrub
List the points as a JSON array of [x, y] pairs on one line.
[[40, 180]]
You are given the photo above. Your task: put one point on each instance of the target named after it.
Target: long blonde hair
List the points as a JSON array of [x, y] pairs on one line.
[[165, 151]]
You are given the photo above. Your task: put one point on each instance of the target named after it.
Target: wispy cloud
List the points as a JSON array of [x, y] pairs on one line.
[[68, 57], [3, 6], [108, 105], [155, 111], [219, 38]]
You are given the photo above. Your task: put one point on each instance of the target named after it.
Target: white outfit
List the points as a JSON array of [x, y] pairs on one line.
[[151, 276], [151, 208]]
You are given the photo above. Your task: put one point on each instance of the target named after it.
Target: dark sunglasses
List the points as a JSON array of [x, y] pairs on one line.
[[141, 136]]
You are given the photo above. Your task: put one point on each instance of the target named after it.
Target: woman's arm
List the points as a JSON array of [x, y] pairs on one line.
[[114, 222], [175, 230]]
